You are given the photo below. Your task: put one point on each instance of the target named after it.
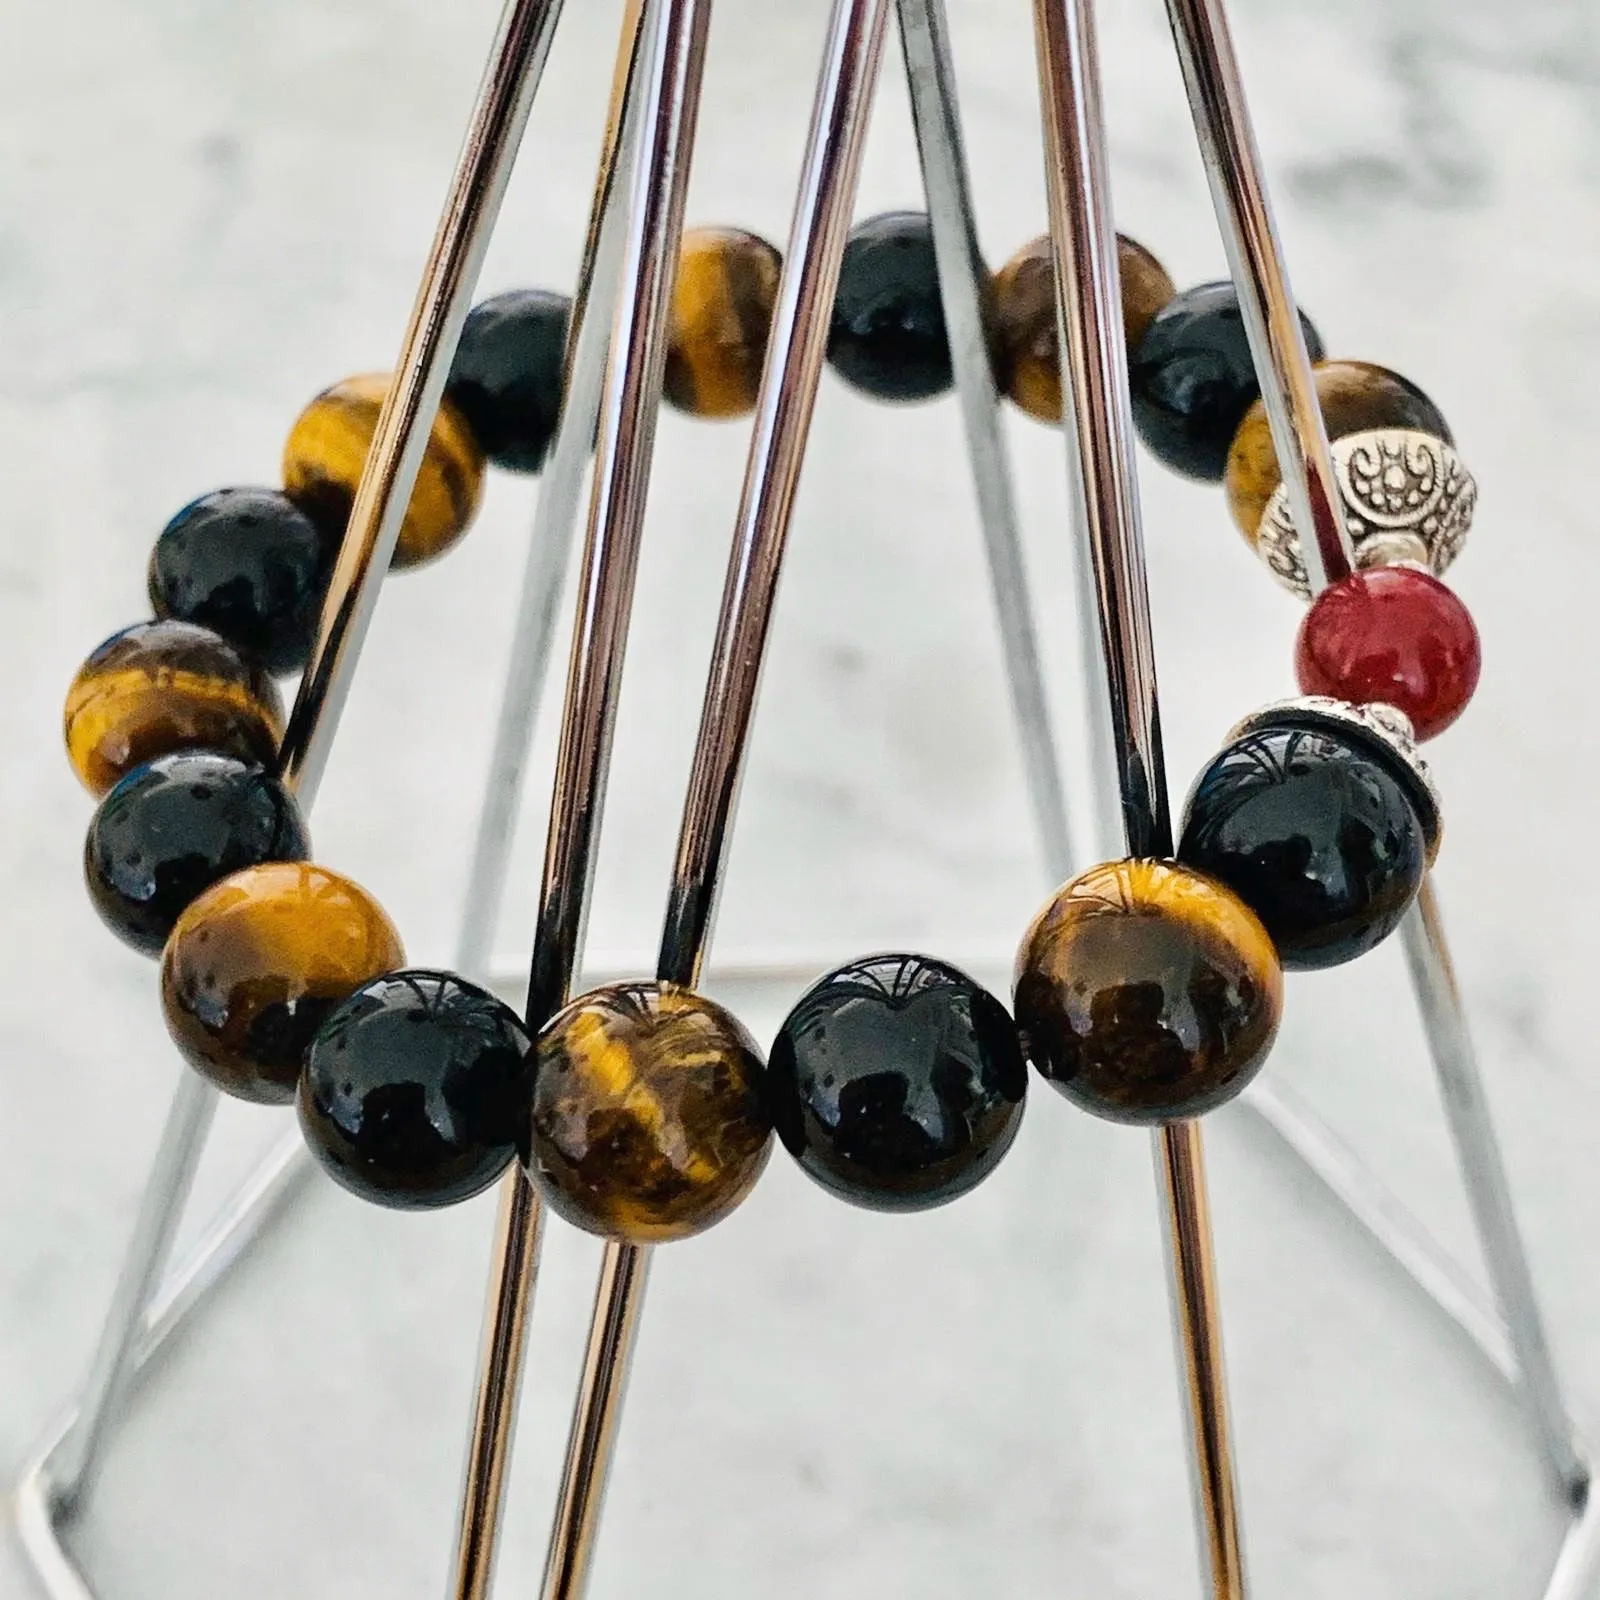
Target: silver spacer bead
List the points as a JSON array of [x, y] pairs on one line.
[[1407, 498], [1382, 727]]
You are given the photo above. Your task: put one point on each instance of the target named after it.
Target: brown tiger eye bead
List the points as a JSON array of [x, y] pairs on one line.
[[328, 447], [160, 687], [1025, 318], [1147, 992], [1356, 396], [254, 966], [722, 302], [649, 1116]]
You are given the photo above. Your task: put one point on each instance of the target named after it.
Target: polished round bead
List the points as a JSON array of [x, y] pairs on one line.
[[1029, 351], [1147, 993], [1356, 397], [1193, 380], [415, 1090], [1313, 826], [509, 373], [888, 335], [649, 1113], [256, 964], [172, 828], [328, 447], [159, 687], [1392, 636], [722, 302], [250, 565], [897, 1082]]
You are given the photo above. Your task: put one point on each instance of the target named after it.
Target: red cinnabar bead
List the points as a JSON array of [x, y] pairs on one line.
[[1396, 635]]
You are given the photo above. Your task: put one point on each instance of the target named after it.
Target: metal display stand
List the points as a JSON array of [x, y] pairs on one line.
[[616, 358]]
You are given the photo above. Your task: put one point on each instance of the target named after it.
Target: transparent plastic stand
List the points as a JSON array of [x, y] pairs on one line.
[[153, 1299]]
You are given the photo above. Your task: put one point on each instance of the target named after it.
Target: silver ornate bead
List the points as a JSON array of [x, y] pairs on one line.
[[1385, 728], [1407, 497]]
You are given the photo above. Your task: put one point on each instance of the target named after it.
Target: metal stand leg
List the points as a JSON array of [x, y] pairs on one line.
[[1233, 163], [789, 381], [1488, 1193], [963, 281], [1095, 375], [555, 523], [75, 1462], [675, 35], [54, 1482]]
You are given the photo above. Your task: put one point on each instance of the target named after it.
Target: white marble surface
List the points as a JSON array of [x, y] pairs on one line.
[[206, 212]]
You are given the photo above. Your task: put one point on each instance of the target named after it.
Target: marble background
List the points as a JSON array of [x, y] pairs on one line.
[[209, 211]]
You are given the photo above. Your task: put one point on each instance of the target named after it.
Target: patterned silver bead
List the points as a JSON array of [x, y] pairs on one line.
[[1384, 727], [1407, 497]]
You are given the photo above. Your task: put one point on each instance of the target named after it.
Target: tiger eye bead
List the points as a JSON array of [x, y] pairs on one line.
[[649, 1119], [1147, 993], [249, 565], [328, 447], [1316, 827], [1025, 318], [159, 687], [509, 374], [176, 826], [888, 336], [256, 964], [897, 1083], [722, 300], [1193, 379], [415, 1090], [1356, 397]]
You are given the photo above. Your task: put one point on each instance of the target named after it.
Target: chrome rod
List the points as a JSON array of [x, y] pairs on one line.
[[505, 97], [1488, 1193], [555, 526], [675, 47], [787, 394], [1095, 375], [964, 291], [1271, 317], [597, 1416]]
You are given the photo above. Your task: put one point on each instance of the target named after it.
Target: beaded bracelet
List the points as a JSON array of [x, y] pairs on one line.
[[1145, 992]]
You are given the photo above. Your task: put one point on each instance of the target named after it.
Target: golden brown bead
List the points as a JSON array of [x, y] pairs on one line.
[[1147, 992], [649, 1120], [1025, 318], [328, 447], [722, 302], [258, 961], [161, 687], [1356, 396]]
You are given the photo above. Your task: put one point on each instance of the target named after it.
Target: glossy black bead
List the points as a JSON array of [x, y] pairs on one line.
[[1193, 379], [1316, 832], [415, 1091], [247, 564], [508, 375], [897, 1082], [888, 335], [172, 828]]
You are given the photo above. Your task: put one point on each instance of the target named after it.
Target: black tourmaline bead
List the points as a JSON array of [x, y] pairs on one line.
[[888, 336], [1315, 829], [1193, 379], [897, 1082], [508, 375], [172, 828], [249, 565], [415, 1091]]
